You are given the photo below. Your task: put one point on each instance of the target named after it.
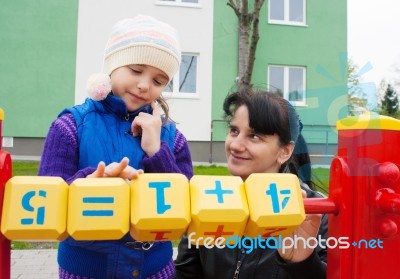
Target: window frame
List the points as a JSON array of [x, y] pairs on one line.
[[286, 84], [175, 93], [286, 20], [179, 3]]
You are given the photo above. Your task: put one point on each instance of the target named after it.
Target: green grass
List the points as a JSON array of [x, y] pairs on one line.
[[321, 178], [31, 168], [26, 245], [210, 170], [27, 168]]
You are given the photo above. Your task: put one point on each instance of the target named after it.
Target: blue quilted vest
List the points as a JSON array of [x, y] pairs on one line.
[[103, 132], [103, 135]]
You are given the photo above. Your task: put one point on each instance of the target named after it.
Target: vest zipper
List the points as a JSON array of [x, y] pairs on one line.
[[127, 117], [239, 263]]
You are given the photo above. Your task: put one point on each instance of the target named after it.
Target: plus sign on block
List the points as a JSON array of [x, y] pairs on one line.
[[219, 208], [160, 206], [275, 204], [35, 208], [98, 208]]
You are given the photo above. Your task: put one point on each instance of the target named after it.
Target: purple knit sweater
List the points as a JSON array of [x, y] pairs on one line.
[[61, 158], [61, 154]]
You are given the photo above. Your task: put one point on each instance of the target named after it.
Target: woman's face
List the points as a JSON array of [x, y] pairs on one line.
[[248, 152], [138, 85]]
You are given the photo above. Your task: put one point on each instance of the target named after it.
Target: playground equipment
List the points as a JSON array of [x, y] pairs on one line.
[[363, 203], [364, 180], [5, 175], [159, 204]]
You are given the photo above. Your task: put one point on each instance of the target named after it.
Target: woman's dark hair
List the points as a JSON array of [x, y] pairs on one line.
[[270, 114]]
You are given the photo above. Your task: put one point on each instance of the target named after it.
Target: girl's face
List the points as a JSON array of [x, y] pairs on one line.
[[248, 152], [138, 85]]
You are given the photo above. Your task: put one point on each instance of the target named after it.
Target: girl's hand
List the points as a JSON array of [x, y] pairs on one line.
[[149, 127], [121, 169], [309, 228]]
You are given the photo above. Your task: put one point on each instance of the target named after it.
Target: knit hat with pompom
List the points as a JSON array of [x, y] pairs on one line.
[[140, 40]]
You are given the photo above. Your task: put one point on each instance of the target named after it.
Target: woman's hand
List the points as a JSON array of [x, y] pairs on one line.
[[149, 127], [309, 228], [121, 169]]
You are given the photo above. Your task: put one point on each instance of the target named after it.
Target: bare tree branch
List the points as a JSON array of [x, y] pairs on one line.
[[234, 7]]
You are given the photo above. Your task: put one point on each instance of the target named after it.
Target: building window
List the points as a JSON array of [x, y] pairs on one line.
[[188, 3], [291, 12], [184, 83], [289, 82]]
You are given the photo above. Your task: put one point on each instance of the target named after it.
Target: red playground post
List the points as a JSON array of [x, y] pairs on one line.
[[5, 175], [364, 180]]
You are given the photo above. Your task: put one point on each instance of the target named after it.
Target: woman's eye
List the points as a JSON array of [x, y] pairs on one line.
[[233, 131]]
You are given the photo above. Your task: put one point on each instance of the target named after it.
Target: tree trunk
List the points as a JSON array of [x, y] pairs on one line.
[[248, 37], [243, 50]]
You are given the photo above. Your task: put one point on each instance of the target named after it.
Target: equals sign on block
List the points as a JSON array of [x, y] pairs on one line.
[[98, 200]]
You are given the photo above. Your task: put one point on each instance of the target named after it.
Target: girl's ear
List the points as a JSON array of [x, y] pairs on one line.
[[285, 153]]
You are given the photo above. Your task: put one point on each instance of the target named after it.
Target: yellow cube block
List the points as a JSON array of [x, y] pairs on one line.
[[275, 203], [35, 208], [160, 206], [219, 208], [98, 209]]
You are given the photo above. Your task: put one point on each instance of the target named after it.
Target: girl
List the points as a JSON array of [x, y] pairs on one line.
[[121, 134]]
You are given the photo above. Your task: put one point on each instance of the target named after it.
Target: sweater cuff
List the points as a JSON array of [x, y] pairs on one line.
[[311, 268], [80, 174], [163, 161]]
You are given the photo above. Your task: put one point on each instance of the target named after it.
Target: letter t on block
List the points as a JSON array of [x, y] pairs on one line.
[[160, 206]]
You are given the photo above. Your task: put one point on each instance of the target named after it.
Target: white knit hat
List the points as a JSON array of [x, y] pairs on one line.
[[139, 40], [143, 40]]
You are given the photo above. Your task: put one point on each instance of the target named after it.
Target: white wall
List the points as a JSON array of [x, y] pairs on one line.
[[195, 28]]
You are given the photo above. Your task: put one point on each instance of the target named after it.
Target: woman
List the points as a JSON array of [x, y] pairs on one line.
[[264, 137]]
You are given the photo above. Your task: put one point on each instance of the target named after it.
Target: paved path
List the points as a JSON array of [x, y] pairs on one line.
[[36, 264]]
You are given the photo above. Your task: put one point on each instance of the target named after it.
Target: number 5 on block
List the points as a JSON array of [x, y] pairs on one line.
[[35, 208]]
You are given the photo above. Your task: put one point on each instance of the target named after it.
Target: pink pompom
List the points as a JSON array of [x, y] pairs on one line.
[[98, 86]]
